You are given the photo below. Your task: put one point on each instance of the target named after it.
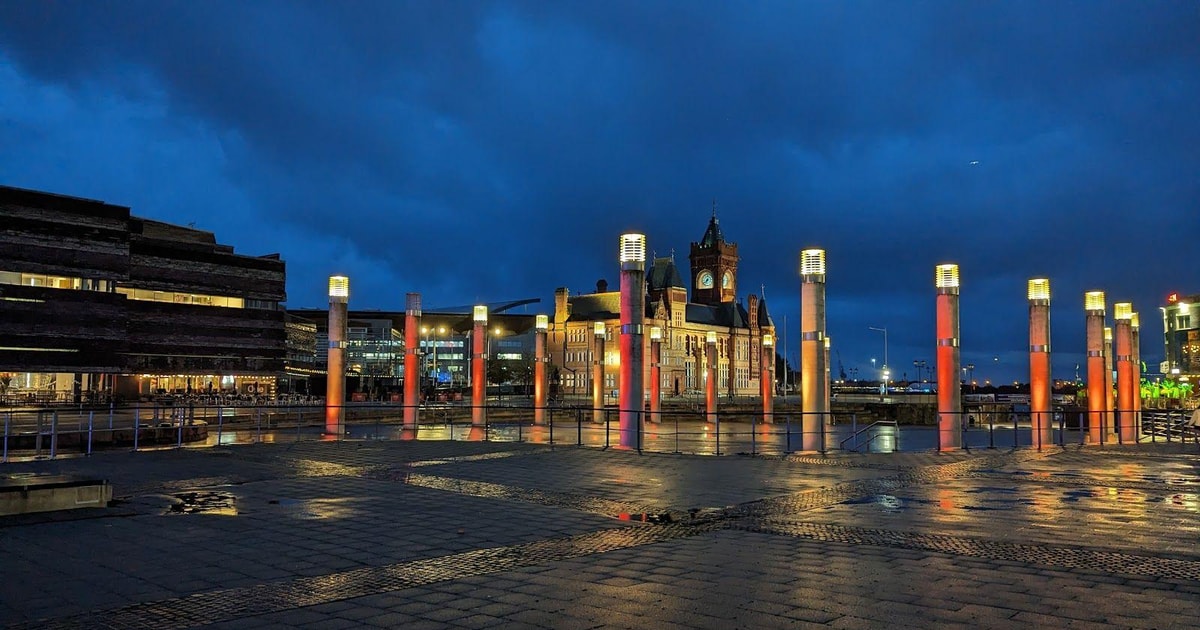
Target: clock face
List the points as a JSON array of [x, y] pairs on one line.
[[705, 279], [727, 280]]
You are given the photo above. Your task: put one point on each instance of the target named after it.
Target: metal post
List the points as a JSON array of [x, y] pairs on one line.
[[822, 450], [578, 427], [1014, 429], [110, 416], [787, 444], [54, 435], [718, 424], [137, 425], [258, 423], [220, 424], [551, 414], [91, 421], [753, 449], [992, 430], [606, 436], [179, 431], [7, 422]]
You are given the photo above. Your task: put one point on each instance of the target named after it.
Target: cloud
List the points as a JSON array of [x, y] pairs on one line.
[[484, 151]]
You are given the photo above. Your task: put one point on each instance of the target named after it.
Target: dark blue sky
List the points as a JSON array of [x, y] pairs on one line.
[[486, 151]]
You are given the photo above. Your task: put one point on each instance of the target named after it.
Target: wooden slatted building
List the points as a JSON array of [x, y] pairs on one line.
[[130, 305]]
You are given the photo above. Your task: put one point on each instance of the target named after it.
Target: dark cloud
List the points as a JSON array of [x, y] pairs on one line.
[[482, 151]]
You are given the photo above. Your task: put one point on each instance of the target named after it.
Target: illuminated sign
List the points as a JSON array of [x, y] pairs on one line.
[[1172, 298]]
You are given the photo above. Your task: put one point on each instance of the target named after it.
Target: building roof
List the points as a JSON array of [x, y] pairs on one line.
[[764, 318], [726, 314], [596, 306], [663, 274]]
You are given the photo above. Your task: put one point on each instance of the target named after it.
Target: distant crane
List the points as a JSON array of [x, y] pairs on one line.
[[841, 370]]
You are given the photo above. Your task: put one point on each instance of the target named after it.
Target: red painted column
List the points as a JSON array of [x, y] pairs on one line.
[[1135, 335], [766, 378], [599, 330], [335, 380], [1041, 400], [1126, 426], [948, 359], [541, 325], [478, 366], [632, 381], [1097, 397], [412, 368], [655, 374], [813, 375], [710, 377], [1110, 391]]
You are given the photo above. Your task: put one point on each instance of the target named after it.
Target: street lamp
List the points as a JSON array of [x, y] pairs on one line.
[[885, 345]]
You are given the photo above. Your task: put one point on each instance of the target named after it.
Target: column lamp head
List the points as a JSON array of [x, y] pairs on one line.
[[1093, 301], [768, 340], [1039, 291], [598, 329], [339, 289], [812, 265], [541, 323], [655, 333], [1123, 311], [632, 254], [710, 337], [480, 314], [945, 278]]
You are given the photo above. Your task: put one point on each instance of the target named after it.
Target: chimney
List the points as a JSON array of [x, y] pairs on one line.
[[602, 286]]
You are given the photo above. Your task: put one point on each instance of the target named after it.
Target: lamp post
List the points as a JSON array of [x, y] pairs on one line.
[[767, 377], [335, 382], [1093, 304], [478, 369], [541, 325], [813, 376], [886, 372], [598, 331], [1040, 399], [632, 382], [412, 376], [1126, 428], [948, 358], [710, 376], [656, 335], [1135, 333]]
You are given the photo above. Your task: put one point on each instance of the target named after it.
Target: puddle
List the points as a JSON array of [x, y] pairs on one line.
[[204, 502]]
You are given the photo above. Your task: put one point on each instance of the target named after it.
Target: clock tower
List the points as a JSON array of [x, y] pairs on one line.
[[714, 266]]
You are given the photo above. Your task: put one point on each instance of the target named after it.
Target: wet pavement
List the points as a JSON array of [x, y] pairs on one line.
[[431, 534]]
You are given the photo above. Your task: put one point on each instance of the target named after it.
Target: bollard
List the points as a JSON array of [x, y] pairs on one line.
[[718, 425], [137, 422], [54, 435], [753, 450], [91, 420]]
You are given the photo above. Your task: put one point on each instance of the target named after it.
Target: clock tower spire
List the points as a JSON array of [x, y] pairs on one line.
[[714, 266]]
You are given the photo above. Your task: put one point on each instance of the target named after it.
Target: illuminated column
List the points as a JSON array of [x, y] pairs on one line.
[[1110, 398], [1041, 401], [598, 373], [710, 376], [766, 377], [541, 325], [1135, 326], [478, 367], [813, 376], [335, 381], [948, 359], [656, 334], [412, 378], [1093, 303], [632, 382], [1126, 426]]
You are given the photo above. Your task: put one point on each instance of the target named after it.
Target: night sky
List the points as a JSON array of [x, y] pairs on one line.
[[488, 151]]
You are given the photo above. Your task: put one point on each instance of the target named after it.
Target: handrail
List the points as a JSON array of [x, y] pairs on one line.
[[891, 423]]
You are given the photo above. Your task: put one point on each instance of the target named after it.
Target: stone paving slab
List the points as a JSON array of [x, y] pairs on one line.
[[473, 535]]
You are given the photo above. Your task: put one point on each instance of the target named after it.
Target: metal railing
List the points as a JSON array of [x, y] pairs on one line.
[[52, 433]]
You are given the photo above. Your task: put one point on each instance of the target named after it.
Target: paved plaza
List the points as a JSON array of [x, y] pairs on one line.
[[507, 535]]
